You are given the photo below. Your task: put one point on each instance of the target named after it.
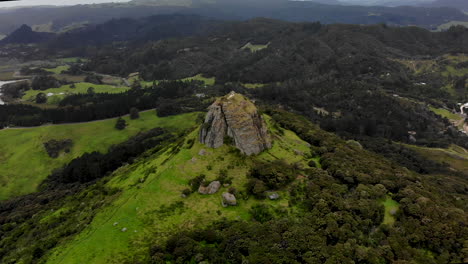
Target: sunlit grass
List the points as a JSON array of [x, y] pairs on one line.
[[24, 162]]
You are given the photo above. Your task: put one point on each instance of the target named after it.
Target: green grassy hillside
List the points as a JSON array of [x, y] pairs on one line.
[[80, 88], [24, 163], [455, 156], [198, 77], [328, 188], [155, 204]]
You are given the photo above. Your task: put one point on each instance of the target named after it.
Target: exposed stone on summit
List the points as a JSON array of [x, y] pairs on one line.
[[236, 117]]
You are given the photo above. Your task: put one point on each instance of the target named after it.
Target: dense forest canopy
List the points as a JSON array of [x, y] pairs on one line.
[[365, 165]]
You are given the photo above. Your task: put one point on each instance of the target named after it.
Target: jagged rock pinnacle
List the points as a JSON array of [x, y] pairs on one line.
[[234, 116]]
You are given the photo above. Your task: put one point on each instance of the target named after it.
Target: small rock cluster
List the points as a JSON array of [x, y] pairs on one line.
[[228, 199], [212, 188]]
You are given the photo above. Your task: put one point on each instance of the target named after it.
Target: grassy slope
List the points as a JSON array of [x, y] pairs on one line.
[[254, 48], [446, 113], [455, 156], [253, 85], [198, 77], [447, 25], [24, 162], [58, 69], [456, 119], [81, 87], [391, 206], [136, 208]]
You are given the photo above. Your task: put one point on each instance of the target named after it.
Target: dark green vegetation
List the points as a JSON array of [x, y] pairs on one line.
[[372, 211], [364, 165], [75, 18], [54, 147], [171, 97], [25, 162], [337, 215], [351, 73], [72, 183]]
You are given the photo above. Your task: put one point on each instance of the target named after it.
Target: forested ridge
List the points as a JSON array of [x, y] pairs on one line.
[[346, 108], [346, 69], [338, 217]]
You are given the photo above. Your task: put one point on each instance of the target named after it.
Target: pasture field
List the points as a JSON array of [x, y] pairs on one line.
[[55, 95], [24, 163]]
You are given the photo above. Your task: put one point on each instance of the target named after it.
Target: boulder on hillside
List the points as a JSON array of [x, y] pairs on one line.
[[229, 199], [212, 188], [273, 195], [234, 116]]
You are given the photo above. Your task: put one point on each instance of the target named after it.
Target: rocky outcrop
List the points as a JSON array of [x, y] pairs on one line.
[[234, 116], [212, 188]]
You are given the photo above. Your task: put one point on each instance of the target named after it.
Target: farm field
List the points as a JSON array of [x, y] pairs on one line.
[[55, 95], [24, 163]]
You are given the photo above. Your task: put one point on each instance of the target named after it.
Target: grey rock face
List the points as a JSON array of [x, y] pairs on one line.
[[229, 199], [236, 117], [212, 188]]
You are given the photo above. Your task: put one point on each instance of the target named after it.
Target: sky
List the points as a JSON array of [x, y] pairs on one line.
[[54, 2]]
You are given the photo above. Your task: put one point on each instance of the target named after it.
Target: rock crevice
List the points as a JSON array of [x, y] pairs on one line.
[[235, 117]]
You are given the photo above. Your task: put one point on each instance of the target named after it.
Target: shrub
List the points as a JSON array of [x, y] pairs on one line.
[[187, 192], [261, 213], [41, 98], [196, 182], [256, 187], [120, 124], [232, 191], [274, 174], [312, 164], [134, 113], [53, 147]]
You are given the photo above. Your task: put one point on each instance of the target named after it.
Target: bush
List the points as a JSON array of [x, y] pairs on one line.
[[196, 182], [41, 98], [232, 191], [274, 174], [312, 164], [53, 147], [223, 177], [120, 124], [134, 113], [257, 188], [186, 192], [261, 213]]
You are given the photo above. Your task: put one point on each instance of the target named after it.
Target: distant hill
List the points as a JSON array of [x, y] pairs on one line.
[[296, 11], [385, 2], [460, 4], [25, 35]]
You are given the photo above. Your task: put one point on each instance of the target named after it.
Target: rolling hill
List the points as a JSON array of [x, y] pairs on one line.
[[154, 209], [25, 163]]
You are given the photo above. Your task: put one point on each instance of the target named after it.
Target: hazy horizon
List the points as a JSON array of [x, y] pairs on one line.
[[54, 2]]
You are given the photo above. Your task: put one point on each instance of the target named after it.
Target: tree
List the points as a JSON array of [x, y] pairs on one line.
[[134, 113], [41, 98], [91, 91], [120, 124], [136, 85]]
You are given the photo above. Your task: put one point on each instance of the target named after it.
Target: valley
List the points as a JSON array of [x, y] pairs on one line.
[[247, 131]]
